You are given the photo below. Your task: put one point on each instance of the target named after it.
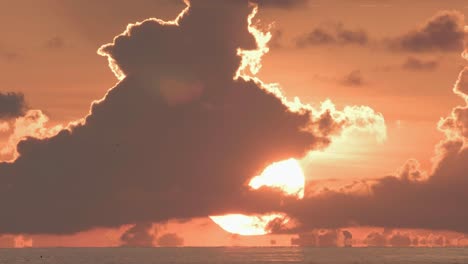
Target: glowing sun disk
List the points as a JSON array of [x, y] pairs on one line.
[[245, 225]]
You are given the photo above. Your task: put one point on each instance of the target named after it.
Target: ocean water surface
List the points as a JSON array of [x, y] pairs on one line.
[[235, 255]]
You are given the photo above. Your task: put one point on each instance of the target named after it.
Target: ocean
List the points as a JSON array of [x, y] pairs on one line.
[[235, 255]]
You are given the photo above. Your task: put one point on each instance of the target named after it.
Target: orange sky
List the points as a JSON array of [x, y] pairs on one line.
[[48, 53]]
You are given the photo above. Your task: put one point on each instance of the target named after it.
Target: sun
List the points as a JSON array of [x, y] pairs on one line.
[[245, 225], [286, 175]]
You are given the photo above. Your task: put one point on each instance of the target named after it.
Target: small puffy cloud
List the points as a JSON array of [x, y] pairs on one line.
[[416, 64], [335, 34], [442, 32], [305, 240], [321, 238], [170, 240], [376, 239], [400, 240], [348, 238], [139, 235], [328, 238], [388, 238], [354, 78], [12, 105]]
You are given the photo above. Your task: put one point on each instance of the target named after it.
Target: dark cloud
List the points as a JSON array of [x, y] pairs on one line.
[[335, 34], [434, 240], [305, 240], [170, 240], [328, 238], [139, 235], [284, 4], [177, 137], [435, 203], [388, 238], [443, 32], [354, 78], [12, 105], [415, 64], [348, 238], [376, 239], [400, 240], [320, 238]]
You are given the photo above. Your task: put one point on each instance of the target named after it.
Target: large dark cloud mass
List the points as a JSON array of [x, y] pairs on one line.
[[177, 137], [443, 32], [12, 105], [139, 235]]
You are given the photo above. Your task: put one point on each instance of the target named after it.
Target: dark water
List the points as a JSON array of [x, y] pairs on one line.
[[236, 255]]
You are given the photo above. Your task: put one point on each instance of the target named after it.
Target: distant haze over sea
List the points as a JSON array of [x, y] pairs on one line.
[[236, 255]]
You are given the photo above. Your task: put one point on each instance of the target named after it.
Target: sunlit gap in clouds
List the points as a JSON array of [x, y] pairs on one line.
[[285, 175]]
